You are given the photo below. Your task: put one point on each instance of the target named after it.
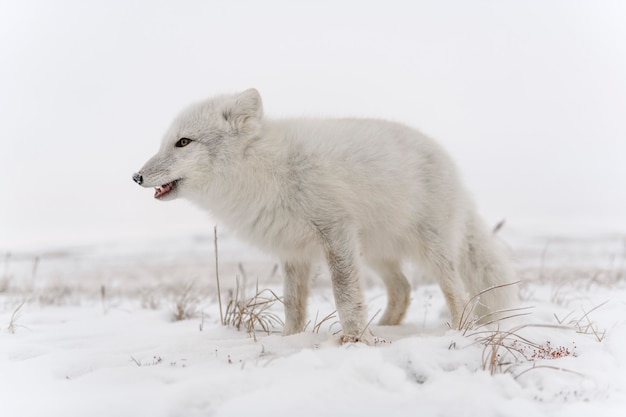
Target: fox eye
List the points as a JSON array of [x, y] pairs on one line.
[[182, 142]]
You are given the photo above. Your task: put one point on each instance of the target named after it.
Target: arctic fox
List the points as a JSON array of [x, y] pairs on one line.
[[348, 191]]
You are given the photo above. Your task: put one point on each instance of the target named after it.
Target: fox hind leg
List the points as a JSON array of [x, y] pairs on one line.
[[438, 260], [296, 292], [398, 290]]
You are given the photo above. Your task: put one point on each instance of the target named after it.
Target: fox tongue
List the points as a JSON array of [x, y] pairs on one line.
[[164, 189]]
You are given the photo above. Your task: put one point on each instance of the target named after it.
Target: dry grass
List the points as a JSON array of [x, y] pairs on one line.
[[504, 351], [156, 360], [509, 351], [217, 275], [150, 300], [253, 313], [5, 278], [56, 295], [249, 313], [17, 313], [317, 325], [584, 324], [469, 320], [186, 304], [5, 283]]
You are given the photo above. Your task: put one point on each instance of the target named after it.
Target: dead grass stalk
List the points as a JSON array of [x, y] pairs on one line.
[[253, 313]]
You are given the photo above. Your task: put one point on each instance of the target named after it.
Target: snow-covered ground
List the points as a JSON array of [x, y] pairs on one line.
[[92, 331], [528, 97]]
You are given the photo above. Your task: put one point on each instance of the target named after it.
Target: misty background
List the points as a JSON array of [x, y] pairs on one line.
[[528, 97]]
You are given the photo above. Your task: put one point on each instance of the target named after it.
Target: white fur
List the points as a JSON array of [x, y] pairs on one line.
[[347, 191]]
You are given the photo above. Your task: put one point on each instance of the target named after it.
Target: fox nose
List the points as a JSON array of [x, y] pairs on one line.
[[138, 178]]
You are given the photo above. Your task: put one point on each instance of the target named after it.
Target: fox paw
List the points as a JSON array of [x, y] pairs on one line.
[[380, 341], [365, 337]]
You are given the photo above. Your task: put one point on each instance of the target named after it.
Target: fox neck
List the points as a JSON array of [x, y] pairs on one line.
[[250, 180]]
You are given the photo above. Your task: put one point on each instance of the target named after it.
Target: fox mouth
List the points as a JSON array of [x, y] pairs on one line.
[[165, 189]]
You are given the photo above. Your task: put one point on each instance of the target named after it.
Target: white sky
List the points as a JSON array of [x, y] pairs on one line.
[[529, 97]]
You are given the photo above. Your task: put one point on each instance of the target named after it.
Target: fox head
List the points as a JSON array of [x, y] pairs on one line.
[[200, 141]]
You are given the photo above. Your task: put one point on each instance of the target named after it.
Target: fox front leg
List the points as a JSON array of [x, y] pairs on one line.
[[340, 245]]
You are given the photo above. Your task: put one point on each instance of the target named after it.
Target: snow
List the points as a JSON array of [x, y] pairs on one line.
[[74, 349], [528, 97]]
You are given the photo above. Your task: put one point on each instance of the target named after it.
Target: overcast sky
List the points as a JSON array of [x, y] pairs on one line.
[[528, 96]]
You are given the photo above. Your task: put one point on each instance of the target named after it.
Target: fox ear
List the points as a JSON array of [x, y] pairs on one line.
[[246, 105]]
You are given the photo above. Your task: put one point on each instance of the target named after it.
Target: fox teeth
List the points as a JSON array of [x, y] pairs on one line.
[[164, 189]]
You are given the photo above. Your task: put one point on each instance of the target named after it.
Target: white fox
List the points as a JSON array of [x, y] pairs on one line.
[[349, 191]]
